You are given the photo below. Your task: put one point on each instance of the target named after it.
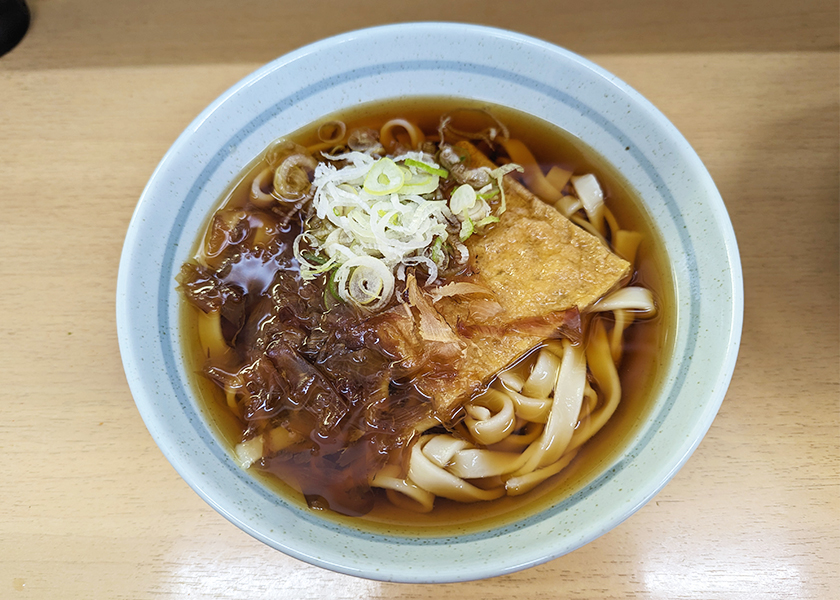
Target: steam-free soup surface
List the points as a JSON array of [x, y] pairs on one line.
[[322, 385]]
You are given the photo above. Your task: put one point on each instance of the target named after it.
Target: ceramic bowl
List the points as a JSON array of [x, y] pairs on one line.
[[434, 59]]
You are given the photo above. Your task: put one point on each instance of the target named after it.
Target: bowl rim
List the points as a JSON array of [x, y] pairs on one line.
[[126, 319]]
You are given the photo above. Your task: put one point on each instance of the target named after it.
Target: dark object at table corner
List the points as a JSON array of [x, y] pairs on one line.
[[14, 22]]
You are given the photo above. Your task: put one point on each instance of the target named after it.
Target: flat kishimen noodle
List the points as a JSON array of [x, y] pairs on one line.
[[405, 314]]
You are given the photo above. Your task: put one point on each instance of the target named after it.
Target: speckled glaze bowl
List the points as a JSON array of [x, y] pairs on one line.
[[434, 59]]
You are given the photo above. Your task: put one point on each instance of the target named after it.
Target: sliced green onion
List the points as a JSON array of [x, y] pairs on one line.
[[419, 183], [309, 269], [428, 168], [365, 282], [498, 174], [317, 270], [487, 221], [313, 258], [436, 249], [332, 288], [467, 229], [384, 177], [364, 286], [462, 199]]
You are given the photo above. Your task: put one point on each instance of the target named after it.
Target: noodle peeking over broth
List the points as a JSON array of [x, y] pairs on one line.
[[389, 312]]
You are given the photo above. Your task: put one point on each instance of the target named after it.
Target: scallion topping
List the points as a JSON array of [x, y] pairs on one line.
[[374, 217], [428, 168]]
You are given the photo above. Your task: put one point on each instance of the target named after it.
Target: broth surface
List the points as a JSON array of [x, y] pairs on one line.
[[647, 343]]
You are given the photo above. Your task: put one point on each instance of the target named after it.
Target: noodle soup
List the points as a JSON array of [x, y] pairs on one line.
[[369, 345]]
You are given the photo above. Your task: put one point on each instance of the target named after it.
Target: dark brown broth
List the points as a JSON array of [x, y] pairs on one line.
[[647, 344]]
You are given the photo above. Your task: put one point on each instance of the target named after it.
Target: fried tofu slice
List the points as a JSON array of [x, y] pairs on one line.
[[541, 270], [535, 260], [449, 373]]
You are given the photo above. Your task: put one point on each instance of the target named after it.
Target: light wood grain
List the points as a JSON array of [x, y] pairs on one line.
[[99, 90], [104, 32]]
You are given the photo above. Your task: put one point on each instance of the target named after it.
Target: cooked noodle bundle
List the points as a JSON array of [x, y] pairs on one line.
[[555, 410]]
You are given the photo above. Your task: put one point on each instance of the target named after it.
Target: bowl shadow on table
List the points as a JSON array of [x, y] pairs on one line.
[[99, 33]]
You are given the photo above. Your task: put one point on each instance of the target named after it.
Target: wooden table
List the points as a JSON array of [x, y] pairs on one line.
[[98, 90]]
